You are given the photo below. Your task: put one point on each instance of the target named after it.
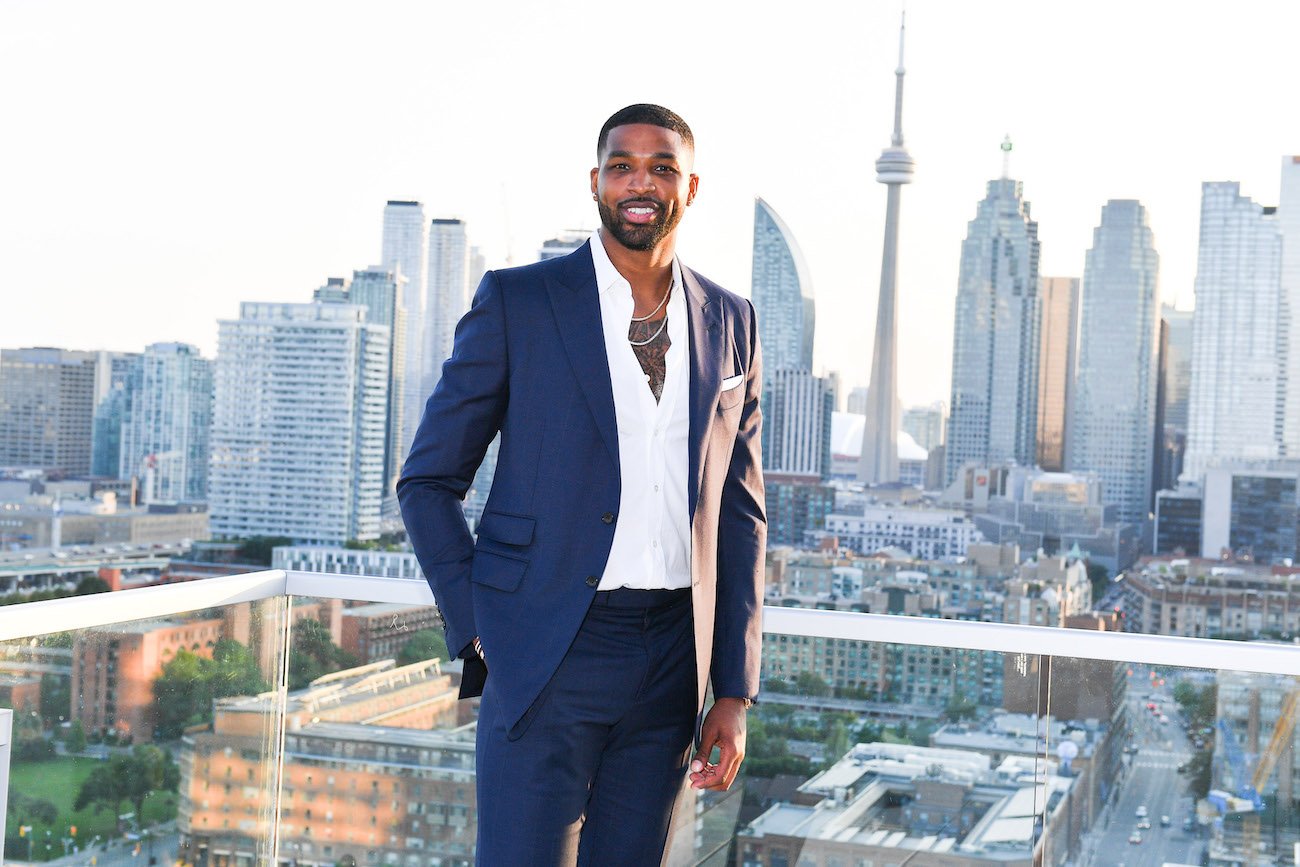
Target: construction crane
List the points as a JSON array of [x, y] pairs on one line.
[[1248, 801]]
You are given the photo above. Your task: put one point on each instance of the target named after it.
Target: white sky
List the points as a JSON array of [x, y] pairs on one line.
[[160, 163]]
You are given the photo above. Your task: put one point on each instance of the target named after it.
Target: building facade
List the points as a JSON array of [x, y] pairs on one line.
[[381, 292], [47, 408], [167, 422], [797, 415], [782, 293], [1234, 410], [1113, 404], [927, 534], [405, 253], [1056, 363], [301, 396], [993, 413], [447, 294]]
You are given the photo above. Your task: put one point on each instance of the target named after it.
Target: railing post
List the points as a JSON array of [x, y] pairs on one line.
[[6, 734]]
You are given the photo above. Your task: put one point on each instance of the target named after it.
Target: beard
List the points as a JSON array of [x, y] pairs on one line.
[[639, 236]]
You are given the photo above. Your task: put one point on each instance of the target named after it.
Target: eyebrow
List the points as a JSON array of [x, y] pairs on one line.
[[661, 155]]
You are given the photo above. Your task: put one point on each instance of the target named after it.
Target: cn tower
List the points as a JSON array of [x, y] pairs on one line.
[[879, 462]]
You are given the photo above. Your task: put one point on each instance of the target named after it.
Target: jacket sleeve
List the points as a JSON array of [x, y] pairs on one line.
[[460, 419], [742, 546]]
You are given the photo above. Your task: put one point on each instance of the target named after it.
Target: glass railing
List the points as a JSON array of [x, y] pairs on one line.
[[298, 719]]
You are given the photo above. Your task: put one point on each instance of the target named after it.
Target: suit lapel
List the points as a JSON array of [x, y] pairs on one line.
[[707, 348], [576, 305]]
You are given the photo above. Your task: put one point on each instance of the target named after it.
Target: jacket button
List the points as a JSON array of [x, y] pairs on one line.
[[608, 517], [592, 580]]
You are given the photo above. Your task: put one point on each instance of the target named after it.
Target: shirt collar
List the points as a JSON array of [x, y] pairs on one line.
[[607, 276]]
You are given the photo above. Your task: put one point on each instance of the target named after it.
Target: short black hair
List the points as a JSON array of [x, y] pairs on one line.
[[645, 112]]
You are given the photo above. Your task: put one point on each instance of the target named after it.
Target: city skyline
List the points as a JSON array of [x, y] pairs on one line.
[[119, 149]]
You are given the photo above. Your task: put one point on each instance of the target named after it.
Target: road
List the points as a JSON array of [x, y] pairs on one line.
[[121, 854], [1152, 781]]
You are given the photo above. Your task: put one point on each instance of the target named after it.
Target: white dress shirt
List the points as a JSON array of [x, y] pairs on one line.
[[652, 536]]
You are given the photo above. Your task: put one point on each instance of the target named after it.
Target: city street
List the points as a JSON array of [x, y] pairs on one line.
[[120, 854], [1151, 781]]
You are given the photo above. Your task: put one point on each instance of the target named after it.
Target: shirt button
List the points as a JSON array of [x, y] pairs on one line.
[[654, 544], [656, 487], [608, 517], [592, 580]]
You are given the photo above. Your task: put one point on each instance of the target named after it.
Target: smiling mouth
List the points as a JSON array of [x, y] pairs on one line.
[[639, 212]]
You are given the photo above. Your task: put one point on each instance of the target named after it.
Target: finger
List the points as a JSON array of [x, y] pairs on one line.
[[726, 765], [733, 770]]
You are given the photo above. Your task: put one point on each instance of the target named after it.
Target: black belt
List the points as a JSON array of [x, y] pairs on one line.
[[629, 597]]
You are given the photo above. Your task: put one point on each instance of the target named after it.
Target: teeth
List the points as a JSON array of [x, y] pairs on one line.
[[641, 210]]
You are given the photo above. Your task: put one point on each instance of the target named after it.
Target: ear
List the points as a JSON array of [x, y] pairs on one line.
[[595, 179], [694, 188]]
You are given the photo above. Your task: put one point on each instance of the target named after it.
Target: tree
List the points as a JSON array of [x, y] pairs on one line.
[[424, 644], [26, 809], [130, 777], [837, 742], [56, 698], [91, 585], [312, 654], [960, 708], [811, 684], [76, 741], [189, 683], [1100, 580], [257, 550], [1197, 771]]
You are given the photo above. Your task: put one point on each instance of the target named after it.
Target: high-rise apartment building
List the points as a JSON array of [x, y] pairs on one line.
[[1235, 409], [1056, 360], [301, 394], [47, 408], [797, 410], [782, 294], [405, 252], [1288, 222], [926, 424], [1113, 405], [562, 245], [113, 374], [166, 425], [1173, 384], [447, 296], [380, 290], [993, 414]]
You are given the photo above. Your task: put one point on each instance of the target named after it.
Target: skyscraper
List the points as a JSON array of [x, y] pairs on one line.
[[47, 406], [380, 291], [797, 410], [406, 253], [880, 436], [568, 241], [447, 296], [782, 294], [113, 375], [1113, 405], [1056, 351], [298, 423], [166, 425], [1174, 383], [993, 414], [1288, 221], [1234, 410]]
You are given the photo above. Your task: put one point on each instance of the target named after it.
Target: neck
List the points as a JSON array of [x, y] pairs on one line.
[[649, 269]]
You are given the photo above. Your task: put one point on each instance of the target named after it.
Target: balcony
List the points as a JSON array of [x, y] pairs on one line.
[[880, 740]]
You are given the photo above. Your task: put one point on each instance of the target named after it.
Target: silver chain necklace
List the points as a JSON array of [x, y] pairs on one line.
[[663, 323], [660, 306]]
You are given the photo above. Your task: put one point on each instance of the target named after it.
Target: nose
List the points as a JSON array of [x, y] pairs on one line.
[[642, 181]]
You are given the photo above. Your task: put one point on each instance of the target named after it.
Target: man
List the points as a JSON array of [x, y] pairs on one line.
[[618, 566]]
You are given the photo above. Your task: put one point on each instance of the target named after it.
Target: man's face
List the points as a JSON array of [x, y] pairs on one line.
[[643, 184]]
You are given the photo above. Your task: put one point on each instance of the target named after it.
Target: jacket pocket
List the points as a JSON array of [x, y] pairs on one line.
[[506, 528], [499, 571]]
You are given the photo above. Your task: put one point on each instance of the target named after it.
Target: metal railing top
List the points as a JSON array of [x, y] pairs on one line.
[[34, 619]]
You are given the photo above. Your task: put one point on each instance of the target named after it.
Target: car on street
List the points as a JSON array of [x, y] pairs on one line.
[[1164, 821], [1141, 812], [1135, 837], [1144, 825]]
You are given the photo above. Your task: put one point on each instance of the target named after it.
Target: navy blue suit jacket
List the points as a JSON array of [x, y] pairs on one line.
[[529, 361]]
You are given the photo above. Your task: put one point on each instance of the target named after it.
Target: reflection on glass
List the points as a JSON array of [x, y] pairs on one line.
[[103, 718], [1208, 769]]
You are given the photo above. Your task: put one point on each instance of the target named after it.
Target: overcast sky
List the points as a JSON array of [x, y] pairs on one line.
[[162, 162]]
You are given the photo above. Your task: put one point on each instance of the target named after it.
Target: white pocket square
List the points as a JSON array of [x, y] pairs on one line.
[[732, 381]]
